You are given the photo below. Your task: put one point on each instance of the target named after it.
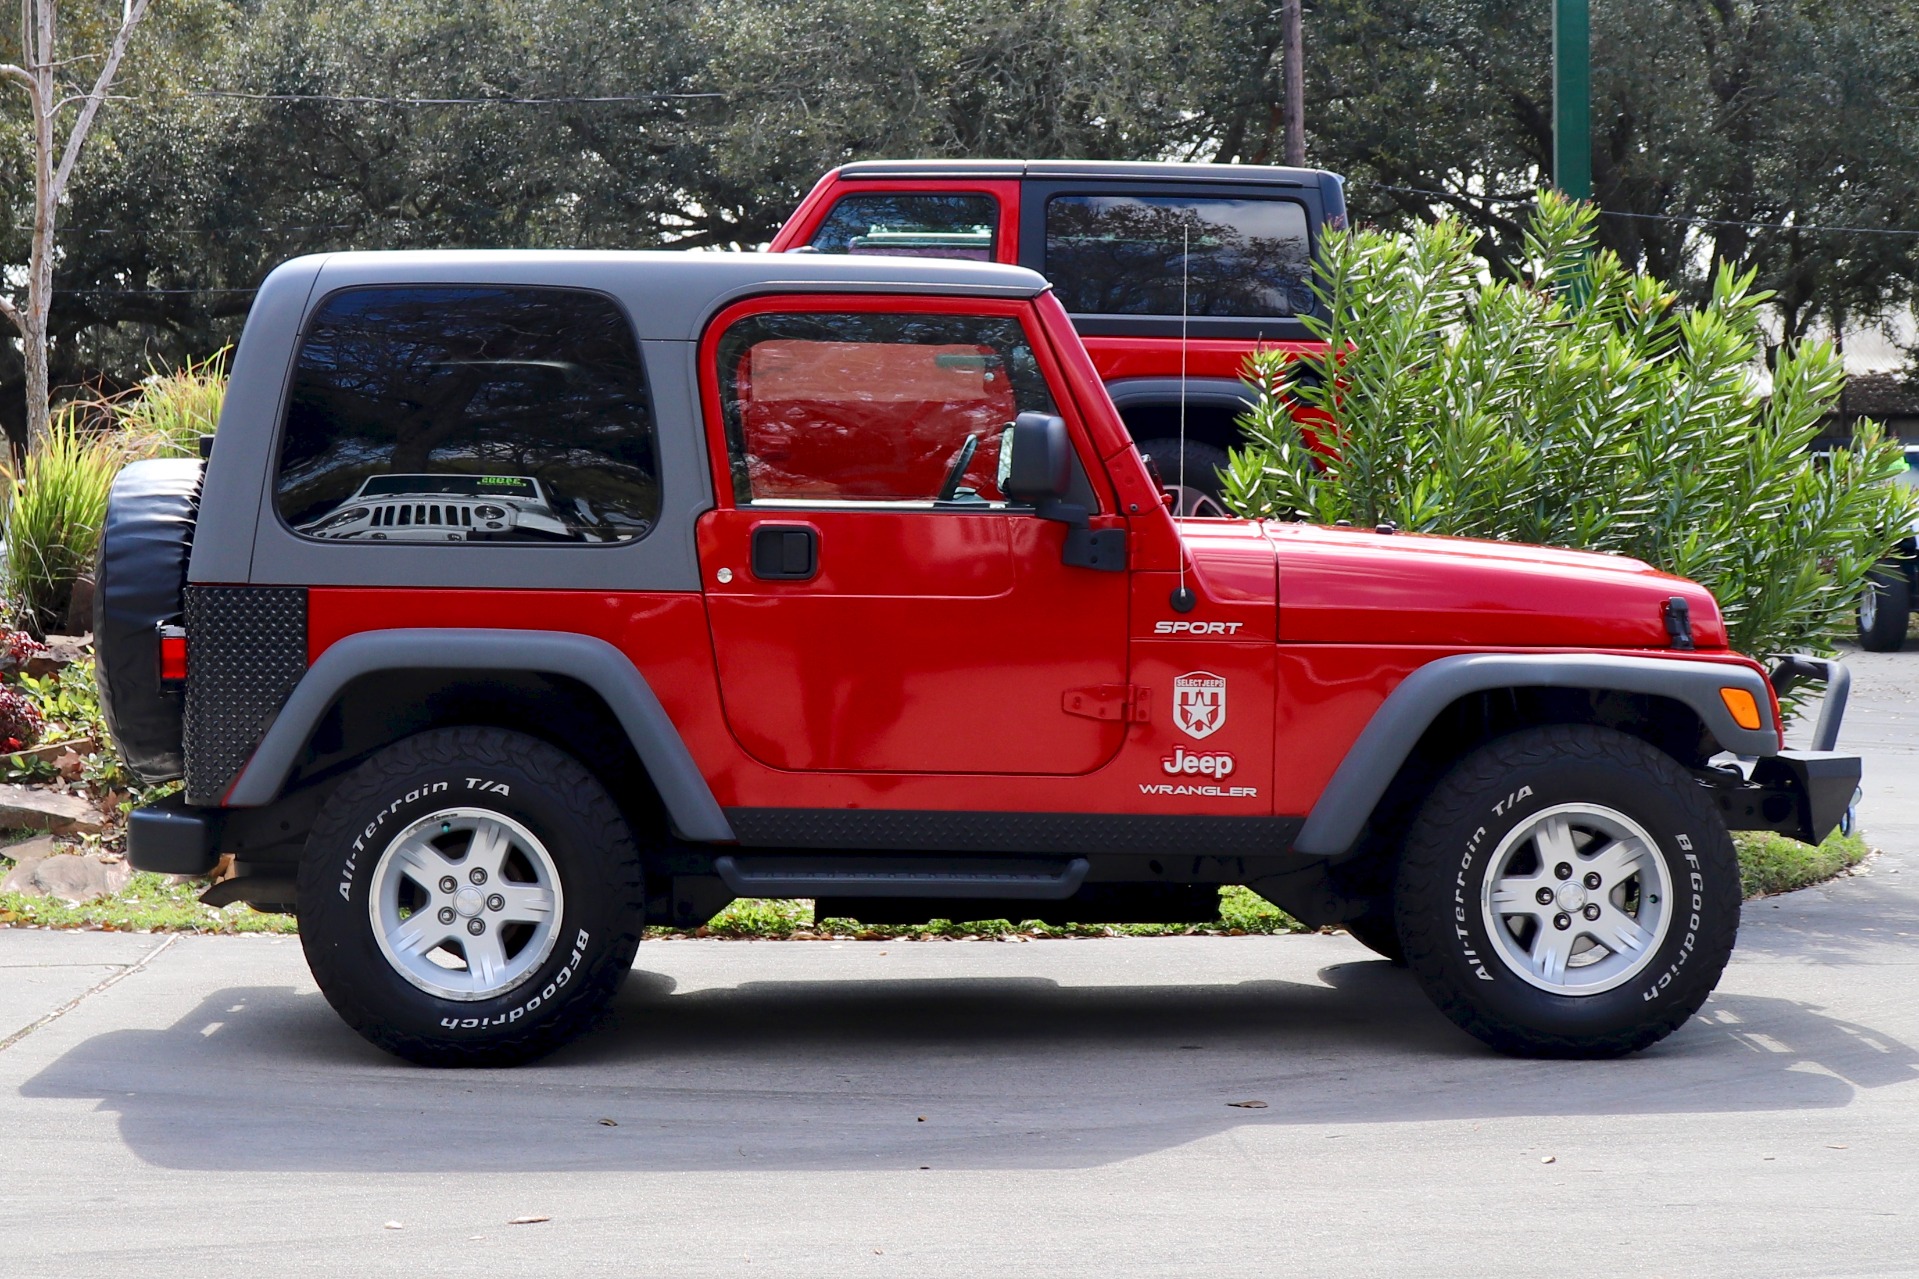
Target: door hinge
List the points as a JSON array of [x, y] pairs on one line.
[[1126, 702]]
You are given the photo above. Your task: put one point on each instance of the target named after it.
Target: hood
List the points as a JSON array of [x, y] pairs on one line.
[[1352, 586]]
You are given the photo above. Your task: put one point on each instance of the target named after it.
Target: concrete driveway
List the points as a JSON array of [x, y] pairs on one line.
[[973, 1109]]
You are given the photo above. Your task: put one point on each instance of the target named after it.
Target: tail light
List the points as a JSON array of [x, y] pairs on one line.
[[173, 655]]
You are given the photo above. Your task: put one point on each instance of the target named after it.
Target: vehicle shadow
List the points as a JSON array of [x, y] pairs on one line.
[[867, 1074]]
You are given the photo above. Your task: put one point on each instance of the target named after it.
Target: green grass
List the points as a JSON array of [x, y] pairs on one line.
[[1242, 912], [148, 904], [53, 521], [1768, 864], [1771, 863], [173, 409]]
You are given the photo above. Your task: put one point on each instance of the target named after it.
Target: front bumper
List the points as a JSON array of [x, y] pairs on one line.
[[1804, 794]]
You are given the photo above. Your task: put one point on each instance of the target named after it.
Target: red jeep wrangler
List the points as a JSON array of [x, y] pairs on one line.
[[526, 599], [1173, 273]]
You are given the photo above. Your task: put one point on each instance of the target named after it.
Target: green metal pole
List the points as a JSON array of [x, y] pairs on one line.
[[1572, 98]]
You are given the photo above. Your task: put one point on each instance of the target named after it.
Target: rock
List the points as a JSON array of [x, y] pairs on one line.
[[62, 650], [80, 603], [36, 808], [79, 877], [51, 751], [27, 854], [33, 849]]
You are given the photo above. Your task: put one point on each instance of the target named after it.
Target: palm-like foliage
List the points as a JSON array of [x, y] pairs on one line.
[[1576, 406]]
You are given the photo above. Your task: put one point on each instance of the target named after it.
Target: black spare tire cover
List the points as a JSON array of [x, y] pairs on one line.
[[139, 582]]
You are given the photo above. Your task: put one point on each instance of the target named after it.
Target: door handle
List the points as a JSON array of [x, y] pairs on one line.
[[785, 552]]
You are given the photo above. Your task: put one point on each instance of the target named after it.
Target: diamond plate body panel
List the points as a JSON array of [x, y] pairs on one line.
[[246, 649], [986, 832]]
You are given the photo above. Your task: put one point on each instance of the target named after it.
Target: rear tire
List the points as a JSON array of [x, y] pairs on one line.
[[470, 896], [1568, 892], [1885, 609], [1202, 494]]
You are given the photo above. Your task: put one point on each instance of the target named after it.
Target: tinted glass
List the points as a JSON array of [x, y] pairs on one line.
[[1122, 255], [864, 407], [911, 226], [436, 415]]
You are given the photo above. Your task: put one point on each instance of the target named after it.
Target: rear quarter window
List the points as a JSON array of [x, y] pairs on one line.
[[452, 415], [1130, 255]]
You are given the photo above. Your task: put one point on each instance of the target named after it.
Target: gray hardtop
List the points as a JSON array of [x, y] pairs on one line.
[[669, 298], [1108, 170], [668, 295]]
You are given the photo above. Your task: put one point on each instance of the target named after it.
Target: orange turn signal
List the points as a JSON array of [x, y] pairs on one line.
[[1744, 708]]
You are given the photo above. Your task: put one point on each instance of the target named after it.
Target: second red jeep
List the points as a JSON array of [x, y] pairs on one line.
[[1173, 273]]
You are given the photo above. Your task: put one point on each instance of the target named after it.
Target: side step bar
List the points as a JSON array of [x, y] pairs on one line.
[[998, 878]]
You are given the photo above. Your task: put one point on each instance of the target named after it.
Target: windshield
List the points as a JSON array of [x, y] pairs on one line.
[[911, 226]]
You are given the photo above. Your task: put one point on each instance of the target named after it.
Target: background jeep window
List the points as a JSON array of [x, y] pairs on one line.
[[1120, 255], [444, 414], [871, 408], [911, 226]]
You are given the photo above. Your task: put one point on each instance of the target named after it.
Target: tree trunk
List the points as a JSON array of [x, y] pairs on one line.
[[45, 211], [44, 93], [1295, 71]]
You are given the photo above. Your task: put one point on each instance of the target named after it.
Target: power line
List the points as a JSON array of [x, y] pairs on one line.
[[1688, 220], [359, 100], [1760, 226], [212, 231], [146, 293]]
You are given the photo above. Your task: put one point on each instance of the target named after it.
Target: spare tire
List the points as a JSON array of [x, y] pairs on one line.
[[140, 580]]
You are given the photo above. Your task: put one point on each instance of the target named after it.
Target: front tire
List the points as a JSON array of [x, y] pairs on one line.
[[470, 896], [1885, 608], [1568, 892]]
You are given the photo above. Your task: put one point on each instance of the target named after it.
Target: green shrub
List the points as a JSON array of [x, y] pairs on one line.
[[59, 503], [1576, 406], [56, 506], [171, 411]]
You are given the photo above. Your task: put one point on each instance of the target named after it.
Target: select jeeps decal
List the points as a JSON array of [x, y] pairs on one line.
[[1197, 628], [1199, 703]]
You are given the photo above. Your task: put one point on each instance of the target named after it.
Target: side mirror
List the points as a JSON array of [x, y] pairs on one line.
[[1040, 464], [1038, 457]]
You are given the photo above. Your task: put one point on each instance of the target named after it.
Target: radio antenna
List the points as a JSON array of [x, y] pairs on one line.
[[1185, 267], [1183, 599]]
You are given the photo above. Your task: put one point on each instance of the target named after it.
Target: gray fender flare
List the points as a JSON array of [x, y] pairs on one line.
[[593, 662], [1334, 825]]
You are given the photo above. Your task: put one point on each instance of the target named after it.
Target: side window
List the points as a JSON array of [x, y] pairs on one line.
[[1123, 255], [461, 414], [866, 407], [911, 226]]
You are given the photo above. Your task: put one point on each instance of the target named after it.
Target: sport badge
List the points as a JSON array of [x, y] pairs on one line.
[[1199, 703]]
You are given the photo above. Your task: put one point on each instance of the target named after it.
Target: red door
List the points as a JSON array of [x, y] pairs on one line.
[[861, 622]]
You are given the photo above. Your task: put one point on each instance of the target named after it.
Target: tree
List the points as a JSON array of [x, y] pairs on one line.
[[48, 95], [1724, 131]]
